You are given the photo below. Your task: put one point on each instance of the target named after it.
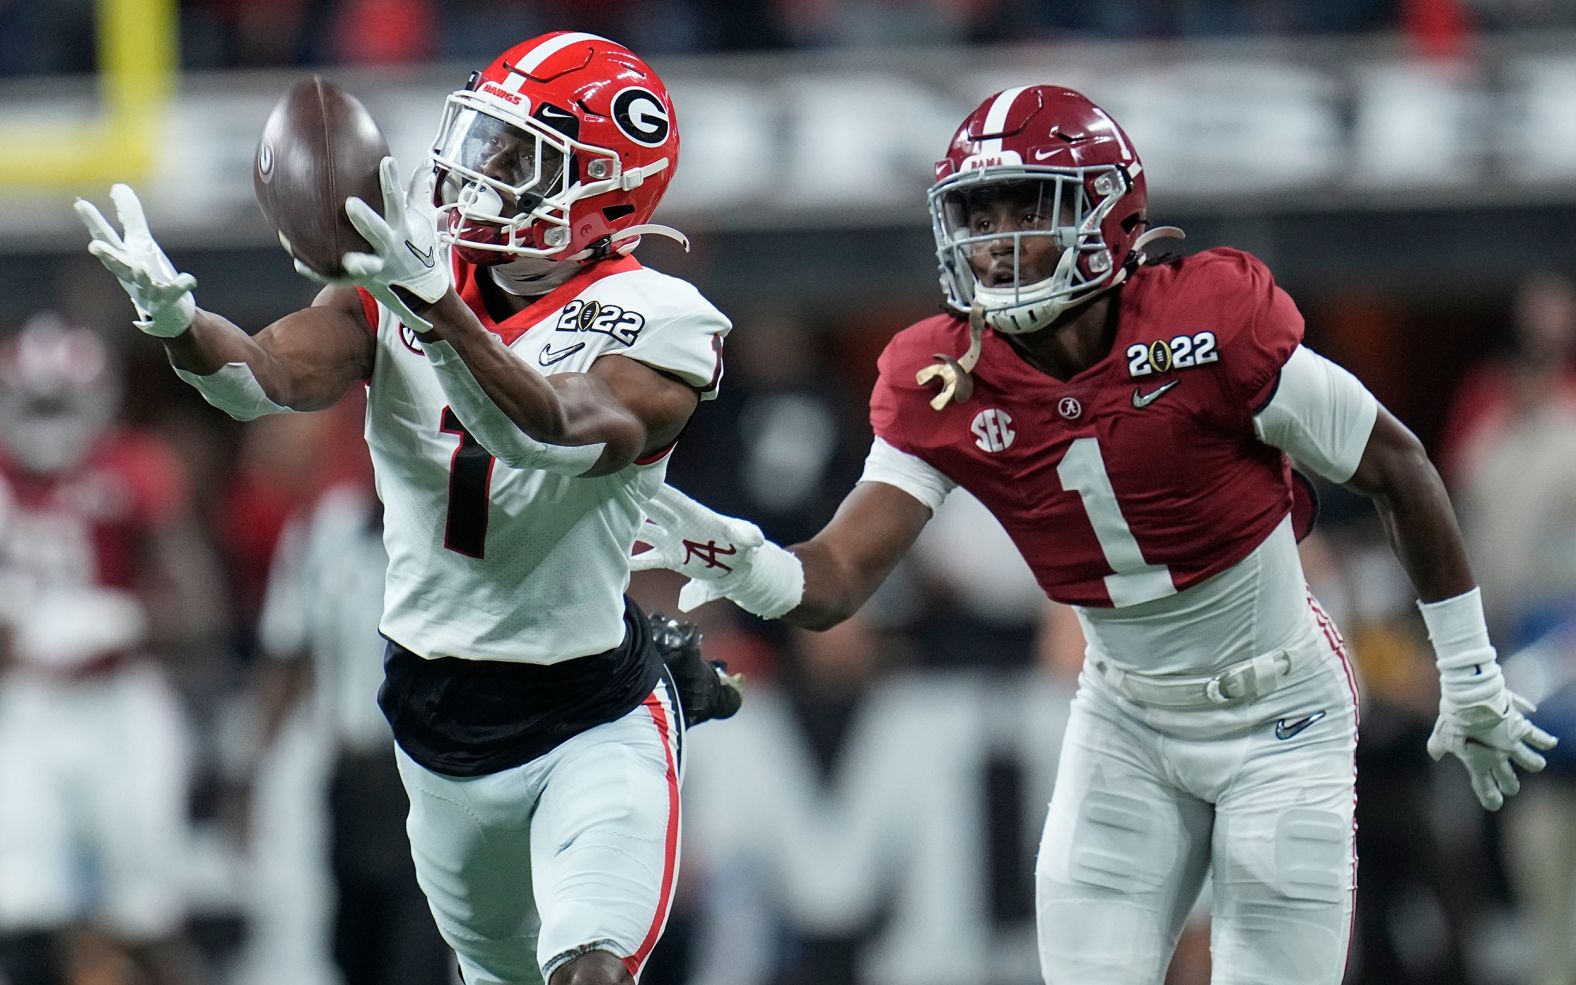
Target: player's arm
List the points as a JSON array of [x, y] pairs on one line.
[[1329, 422], [1414, 509], [816, 584], [304, 361], [852, 556], [589, 423]]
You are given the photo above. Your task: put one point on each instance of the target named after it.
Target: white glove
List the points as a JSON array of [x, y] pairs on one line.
[[722, 555], [1481, 721], [161, 294], [404, 250], [1490, 740]]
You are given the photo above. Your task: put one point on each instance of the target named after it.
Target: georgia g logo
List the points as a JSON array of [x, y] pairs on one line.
[[641, 116]]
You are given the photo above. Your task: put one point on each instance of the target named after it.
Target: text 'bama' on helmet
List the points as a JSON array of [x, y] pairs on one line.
[[1036, 207], [560, 148], [59, 389]]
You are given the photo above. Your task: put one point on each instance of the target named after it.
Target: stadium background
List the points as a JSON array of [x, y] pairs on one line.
[[1407, 169]]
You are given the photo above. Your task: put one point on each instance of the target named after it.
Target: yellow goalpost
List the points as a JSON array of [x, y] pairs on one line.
[[137, 66]]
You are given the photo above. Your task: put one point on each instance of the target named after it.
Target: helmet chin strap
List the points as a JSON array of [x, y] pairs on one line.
[[529, 277]]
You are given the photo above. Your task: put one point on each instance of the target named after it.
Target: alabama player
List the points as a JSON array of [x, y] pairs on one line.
[[1129, 420], [524, 392], [99, 571]]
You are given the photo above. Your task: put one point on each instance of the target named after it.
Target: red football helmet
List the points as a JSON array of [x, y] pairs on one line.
[[58, 393], [560, 148], [1081, 188]]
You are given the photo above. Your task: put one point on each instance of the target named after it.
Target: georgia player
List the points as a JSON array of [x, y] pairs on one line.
[[99, 569], [1129, 422], [524, 393]]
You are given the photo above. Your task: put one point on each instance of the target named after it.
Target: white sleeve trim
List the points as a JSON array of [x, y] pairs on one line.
[[907, 472], [1321, 415]]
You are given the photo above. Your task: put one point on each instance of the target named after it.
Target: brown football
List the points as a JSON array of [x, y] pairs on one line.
[[319, 147]]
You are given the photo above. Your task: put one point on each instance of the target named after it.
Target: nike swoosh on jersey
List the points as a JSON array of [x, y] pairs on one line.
[[1285, 730], [1142, 400], [549, 356]]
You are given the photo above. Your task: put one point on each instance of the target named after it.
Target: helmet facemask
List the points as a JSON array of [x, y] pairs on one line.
[[507, 182], [1035, 231]]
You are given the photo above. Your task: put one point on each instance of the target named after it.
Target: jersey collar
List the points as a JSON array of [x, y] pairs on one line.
[[527, 318]]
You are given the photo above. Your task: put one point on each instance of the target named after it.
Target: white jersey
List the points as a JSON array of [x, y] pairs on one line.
[[494, 563]]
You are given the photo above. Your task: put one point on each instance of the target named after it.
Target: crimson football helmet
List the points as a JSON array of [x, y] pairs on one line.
[[58, 393], [1082, 191], [561, 148]]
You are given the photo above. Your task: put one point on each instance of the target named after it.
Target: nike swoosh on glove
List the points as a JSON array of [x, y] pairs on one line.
[[1492, 743], [404, 253]]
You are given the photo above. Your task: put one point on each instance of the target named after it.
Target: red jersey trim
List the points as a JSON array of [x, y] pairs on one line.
[[670, 848], [522, 321], [369, 308]]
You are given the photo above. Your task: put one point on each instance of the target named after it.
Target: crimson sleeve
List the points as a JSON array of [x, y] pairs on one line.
[[886, 404], [1265, 327]]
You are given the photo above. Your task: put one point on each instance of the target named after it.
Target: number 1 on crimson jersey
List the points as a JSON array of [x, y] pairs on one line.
[[470, 479], [1082, 470]]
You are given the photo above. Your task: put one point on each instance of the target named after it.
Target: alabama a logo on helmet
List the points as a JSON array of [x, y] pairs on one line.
[[641, 116]]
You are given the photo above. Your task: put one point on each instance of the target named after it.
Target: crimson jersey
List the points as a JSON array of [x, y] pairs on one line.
[[1140, 476], [84, 525]]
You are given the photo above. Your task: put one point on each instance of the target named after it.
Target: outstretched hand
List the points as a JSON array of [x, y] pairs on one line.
[[404, 251], [161, 294]]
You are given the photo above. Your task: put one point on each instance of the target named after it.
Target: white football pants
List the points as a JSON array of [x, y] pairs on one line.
[[1148, 800], [93, 769], [574, 851]]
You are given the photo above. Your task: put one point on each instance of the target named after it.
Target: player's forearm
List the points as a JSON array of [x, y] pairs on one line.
[[1415, 512], [832, 591], [517, 389], [211, 342]]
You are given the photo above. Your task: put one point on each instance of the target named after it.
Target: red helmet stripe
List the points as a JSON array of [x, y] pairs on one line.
[[533, 59]]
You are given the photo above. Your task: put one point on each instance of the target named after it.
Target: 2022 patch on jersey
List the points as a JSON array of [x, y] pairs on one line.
[[489, 562], [1140, 476]]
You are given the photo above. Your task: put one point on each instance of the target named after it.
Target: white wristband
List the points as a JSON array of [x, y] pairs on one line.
[[234, 389], [1456, 626], [494, 429], [774, 585], [1469, 674]]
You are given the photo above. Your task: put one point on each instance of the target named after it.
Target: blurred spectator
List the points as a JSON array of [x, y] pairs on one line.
[[319, 631], [1512, 445], [384, 32], [1515, 428], [102, 573], [783, 440], [285, 463]]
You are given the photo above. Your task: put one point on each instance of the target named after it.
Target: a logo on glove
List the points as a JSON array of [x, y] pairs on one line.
[[707, 552]]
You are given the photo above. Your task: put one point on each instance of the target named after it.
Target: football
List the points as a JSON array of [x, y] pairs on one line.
[[319, 147]]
